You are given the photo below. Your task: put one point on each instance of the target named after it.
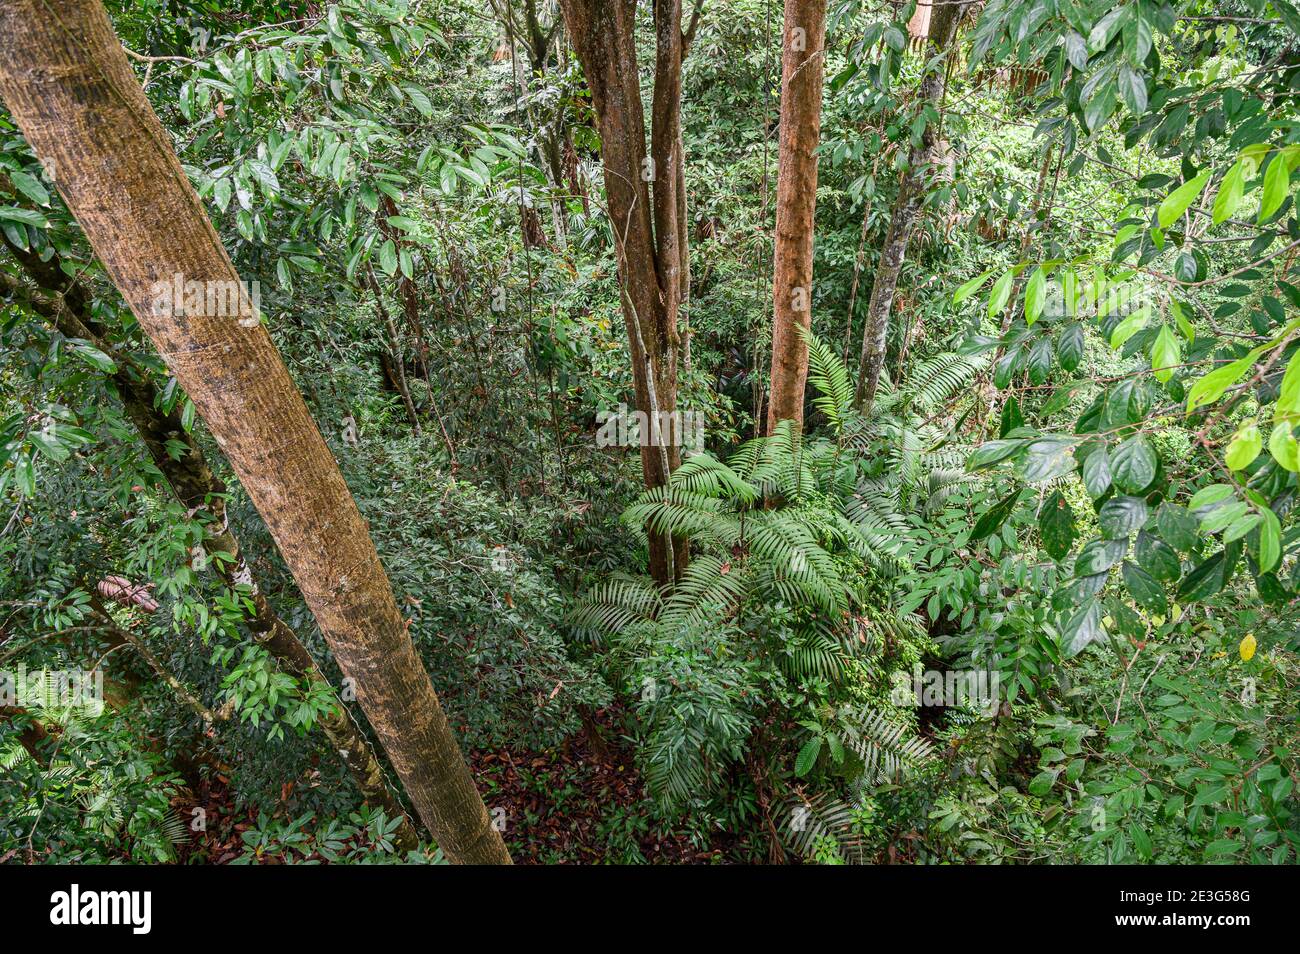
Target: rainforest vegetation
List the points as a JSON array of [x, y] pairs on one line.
[[672, 432]]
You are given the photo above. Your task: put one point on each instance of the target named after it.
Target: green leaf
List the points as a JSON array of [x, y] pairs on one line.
[[1211, 387], [24, 216], [420, 99], [1046, 459], [30, 187], [993, 452], [1230, 192], [1210, 495], [1270, 541], [996, 516], [1056, 525], [1277, 182], [807, 756], [1177, 527], [1242, 526], [1179, 311], [48, 443], [1244, 447], [1288, 397], [1130, 326], [388, 258], [1120, 517], [1069, 347], [969, 288], [1082, 629], [1133, 88], [1146, 592], [1283, 446], [1177, 202], [1204, 581], [1098, 556], [1165, 354], [1134, 464], [1096, 472], [1001, 293], [1221, 517], [221, 193], [93, 356], [1035, 292], [1157, 557]]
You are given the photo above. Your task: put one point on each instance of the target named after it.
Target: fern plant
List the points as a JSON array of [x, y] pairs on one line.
[[781, 598]]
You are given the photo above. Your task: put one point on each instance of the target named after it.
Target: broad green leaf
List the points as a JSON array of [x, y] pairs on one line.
[[1212, 386], [1121, 516], [1148, 594], [388, 258], [1277, 181], [1177, 202], [1130, 326], [1244, 447], [1210, 495], [1082, 629], [1283, 446], [1134, 464], [807, 756], [1001, 293], [1035, 291], [994, 518], [1270, 541], [1165, 354], [969, 288], [1230, 191], [1096, 472], [1056, 525]]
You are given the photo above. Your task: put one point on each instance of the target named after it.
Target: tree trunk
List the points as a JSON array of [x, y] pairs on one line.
[[802, 65], [65, 79], [907, 206], [644, 213]]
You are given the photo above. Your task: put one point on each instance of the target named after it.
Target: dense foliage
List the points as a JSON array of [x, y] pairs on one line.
[[1035, 603]]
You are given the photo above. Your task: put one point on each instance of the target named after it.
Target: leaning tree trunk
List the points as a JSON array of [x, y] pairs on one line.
[[907, 207], [644, 214], [802, 64], [68, 307], [66, 80]]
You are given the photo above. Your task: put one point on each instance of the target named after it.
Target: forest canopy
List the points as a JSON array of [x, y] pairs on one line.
[[680, 432]]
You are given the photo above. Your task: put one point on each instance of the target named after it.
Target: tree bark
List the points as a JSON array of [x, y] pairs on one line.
[[907, 206], [644, 213], [66, 80], [802, 64]]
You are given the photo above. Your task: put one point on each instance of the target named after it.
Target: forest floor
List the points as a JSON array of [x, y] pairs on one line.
[[581, 802]]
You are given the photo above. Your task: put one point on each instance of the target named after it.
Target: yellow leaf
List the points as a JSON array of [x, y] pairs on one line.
[[1247, 647]]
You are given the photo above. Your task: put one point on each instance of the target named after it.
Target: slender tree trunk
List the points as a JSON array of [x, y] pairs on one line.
[[644, 214], [66, 80], [911, 190], [802, 64]]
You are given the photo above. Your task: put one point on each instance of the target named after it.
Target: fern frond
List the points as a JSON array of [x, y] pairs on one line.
[[809, 820], [827, 374], [888, 749], [614, 605]]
